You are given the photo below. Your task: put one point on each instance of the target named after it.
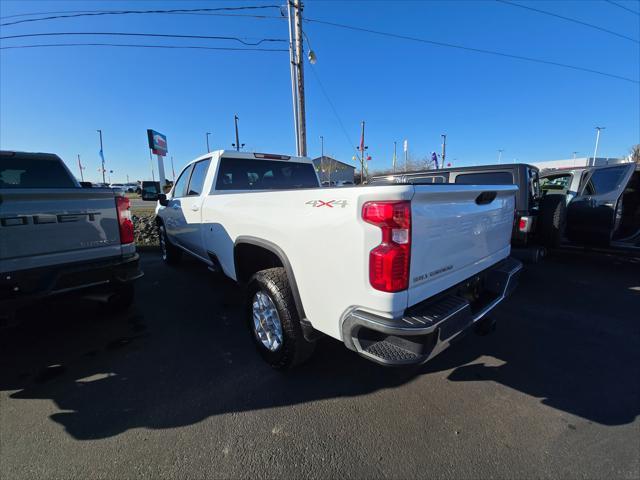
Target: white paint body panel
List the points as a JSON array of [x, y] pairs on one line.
[[328, 248]]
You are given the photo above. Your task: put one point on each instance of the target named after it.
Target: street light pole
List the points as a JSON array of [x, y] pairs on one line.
[[444, 149], [101, 155], [595, 151], [207, 135], [500, 156], [237, 144], [80, 167], [173, 171]]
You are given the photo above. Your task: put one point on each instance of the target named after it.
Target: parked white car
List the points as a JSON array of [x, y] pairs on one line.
[[395, 272]]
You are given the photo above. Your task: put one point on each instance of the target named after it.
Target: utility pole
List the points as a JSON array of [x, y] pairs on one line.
[[393, 162], [294, 81], [101, 155], [302, 127], [81, 168], [444, 149], [208, 149], [362, 154], [595, 151], [173, 171], [574, 154], [237, 144], [500, 156]]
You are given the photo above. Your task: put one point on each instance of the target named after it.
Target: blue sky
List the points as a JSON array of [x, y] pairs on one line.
[[54, 99]]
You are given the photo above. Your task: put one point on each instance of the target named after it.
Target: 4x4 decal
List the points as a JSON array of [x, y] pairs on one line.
[[327, 203]]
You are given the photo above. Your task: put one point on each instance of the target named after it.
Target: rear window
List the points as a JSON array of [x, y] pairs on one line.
[[485, 178], [244, 174], [17, 172]]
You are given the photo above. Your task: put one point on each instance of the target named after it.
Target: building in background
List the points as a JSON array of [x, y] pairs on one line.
[[330, 169], [579, 162]]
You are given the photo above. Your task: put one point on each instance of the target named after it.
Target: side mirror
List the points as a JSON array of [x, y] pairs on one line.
[[162, 199]]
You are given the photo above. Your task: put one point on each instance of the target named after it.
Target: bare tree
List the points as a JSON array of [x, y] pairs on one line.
[[635, 153]]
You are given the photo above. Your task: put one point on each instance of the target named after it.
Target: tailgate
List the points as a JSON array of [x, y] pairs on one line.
[[457, 231], [47, 227]]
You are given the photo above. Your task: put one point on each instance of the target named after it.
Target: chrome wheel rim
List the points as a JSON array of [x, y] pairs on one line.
[[266, 322], [163, 244]]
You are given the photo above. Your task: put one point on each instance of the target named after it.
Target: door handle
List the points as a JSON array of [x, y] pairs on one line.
[[195, 208]]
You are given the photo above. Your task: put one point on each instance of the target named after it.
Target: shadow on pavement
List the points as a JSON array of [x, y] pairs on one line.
[[569, 337]]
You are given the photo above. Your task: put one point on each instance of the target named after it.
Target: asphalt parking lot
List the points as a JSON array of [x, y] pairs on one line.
[[173, 388]]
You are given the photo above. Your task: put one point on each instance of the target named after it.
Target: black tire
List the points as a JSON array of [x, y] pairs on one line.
[[122, 298], [171, 254], [552, 219], [294, 349]]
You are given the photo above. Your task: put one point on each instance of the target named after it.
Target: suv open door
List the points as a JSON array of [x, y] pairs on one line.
[[595, 214]]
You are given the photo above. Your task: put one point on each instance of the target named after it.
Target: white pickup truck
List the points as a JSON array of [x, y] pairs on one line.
[[396, 272]]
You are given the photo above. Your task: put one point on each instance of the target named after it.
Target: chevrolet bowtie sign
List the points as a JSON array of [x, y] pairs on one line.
[[157, 142]]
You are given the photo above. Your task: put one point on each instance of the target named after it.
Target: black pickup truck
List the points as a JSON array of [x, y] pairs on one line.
[[598, 206]]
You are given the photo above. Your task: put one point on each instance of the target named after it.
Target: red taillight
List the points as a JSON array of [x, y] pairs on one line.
[[124, 220], [524, 224], [389, 261]]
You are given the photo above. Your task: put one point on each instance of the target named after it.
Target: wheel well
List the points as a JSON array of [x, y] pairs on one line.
[[250, 259]]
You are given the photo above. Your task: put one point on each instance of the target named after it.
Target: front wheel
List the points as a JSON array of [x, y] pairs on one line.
[[171, 254], [273, 320]]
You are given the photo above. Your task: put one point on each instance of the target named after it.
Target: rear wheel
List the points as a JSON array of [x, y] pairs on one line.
[[171, 254], [273, 320], [552, 220]]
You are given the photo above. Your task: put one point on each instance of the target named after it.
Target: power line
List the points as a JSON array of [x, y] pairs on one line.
[[33, 14], [333, 108], [622, 7], [196, 47], [152, 35], [568, 19], [135, 12], [470, 49]]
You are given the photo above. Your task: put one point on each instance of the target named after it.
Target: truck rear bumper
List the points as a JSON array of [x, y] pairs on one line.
[[429, 327], [21, 288]]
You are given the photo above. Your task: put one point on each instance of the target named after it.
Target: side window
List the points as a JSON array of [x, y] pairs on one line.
[[534, 184], [428, 179], [180, 187], [197, 178], [604, 180], [485, 178]]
